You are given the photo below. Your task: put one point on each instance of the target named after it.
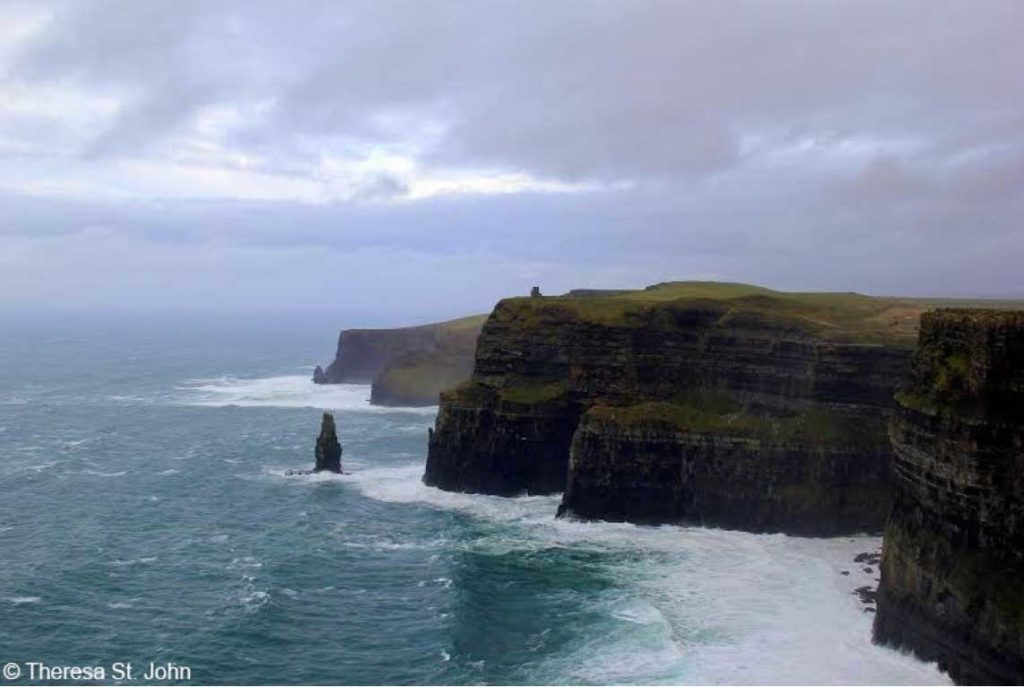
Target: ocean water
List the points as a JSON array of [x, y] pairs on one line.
[[145, 515]]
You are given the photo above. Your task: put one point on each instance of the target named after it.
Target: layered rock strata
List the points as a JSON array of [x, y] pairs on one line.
[[731, 406], [810, 473], [953, 556], [407, 366]]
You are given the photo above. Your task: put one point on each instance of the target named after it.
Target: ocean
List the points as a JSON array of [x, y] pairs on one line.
[[146, 516]]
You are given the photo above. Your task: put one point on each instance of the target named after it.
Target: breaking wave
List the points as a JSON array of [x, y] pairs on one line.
[[285, 391], [690, 605]]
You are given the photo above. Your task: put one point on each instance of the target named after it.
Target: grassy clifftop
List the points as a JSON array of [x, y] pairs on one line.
[[848, 317], [408, 365], [418, 377], [811, 427]]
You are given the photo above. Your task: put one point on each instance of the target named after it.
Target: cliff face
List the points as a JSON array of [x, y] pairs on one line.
[[363, 353], [953, 557], [751, 409], [407, 366], [809, 473], [417, 378]]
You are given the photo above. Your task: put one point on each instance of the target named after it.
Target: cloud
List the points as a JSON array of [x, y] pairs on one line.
[[844, 145]]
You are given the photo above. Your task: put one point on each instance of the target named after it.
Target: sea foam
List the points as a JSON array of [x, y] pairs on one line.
[[691, 605], [285, 391]]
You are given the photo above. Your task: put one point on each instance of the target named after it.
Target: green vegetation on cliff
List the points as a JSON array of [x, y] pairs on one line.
[[417, 379], [951, 371], [749, 407], [407, 366], [526, 394], [784, 380], [849, 317], [811, 427]]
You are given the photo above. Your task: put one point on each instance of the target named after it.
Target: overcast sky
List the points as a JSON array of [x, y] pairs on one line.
[[426, 158]]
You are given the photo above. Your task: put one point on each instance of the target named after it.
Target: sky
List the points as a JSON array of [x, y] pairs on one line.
[[424, 159]]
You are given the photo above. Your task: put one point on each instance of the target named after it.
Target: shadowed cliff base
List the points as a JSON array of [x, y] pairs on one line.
[[954, 545], [751, 408]]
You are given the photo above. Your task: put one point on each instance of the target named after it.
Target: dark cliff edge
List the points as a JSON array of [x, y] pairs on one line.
[[407, 366], [953, 557], [721, 404]]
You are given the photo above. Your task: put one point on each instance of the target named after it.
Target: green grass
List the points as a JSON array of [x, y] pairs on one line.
[[848, 317], [419, 376], [674, 290], [471, 323], [813, 427], [527, 394], [424, 379]]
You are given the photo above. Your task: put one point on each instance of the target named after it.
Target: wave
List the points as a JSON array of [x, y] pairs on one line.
[[246, 562], [285, 391], [21, 600], [376, 542], [253, 600], [404, 484], [690, 604], [302, 474], [97, 473], [132, 562]]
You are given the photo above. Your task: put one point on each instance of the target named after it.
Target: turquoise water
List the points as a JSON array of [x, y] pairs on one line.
[[145, 515]]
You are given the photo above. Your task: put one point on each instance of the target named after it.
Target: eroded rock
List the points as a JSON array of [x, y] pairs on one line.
[[954, 545], [328, 448]]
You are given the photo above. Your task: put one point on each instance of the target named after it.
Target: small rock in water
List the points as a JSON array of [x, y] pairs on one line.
[[867, 594], [328, 448], [845, 572]]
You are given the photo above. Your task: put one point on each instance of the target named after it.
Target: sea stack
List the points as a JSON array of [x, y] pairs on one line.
[[319, 377], [328, 448], [953, 557]]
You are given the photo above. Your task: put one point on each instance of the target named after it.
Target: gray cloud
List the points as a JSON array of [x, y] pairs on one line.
[[571, 89], [874, 146]]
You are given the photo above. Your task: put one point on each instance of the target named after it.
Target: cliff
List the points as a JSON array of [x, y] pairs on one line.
[[407, 366], [721, 404], [953, 557], [812, 472], [418, 378]]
